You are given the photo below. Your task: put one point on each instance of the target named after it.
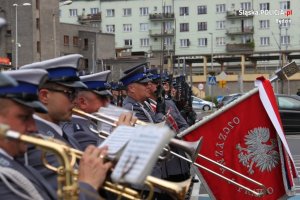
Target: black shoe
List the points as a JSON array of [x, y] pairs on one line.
[[194, 180]]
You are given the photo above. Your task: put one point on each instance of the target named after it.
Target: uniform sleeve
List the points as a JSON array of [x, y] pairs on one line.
[[87, 192]]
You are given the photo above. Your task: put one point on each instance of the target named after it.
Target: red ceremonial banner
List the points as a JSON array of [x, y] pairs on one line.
[[244, 139]]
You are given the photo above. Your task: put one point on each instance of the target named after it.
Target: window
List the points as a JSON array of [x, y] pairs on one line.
[[75, 41], [202, 26], [183, 11], [127, 12], [246, 6], [220, 41], [128, 42], [127, 27], [264, 41], [264, 6], [37, 4], [94, 10], [144, 42], [285, 23], [184, 42], [264, 24], [86, 43], [220, 8], [37, 23], [284, 5], [66, 40], [168, 41], [202, 10], [73, 12], [110, 28], [167, 9], [144, 11], [220, 25], [168, 26], [110, 12], [184, 27], [38, 46], [144, 26], [202, 42], [285, 39]]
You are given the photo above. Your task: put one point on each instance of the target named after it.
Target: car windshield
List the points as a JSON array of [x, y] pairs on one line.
[[288, 103]]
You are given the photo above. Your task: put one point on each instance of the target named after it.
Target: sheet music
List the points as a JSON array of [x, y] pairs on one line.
[[112, 111], [141, 153], [118, 139]]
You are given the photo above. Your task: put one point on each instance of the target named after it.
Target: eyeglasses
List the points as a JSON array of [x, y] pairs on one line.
[[71, 95]]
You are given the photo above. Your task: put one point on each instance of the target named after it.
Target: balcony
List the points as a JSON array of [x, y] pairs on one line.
[[239, 14], [248, 47], [85, 19], [156, 47], [161, 16], [159, 32], [240, 30]]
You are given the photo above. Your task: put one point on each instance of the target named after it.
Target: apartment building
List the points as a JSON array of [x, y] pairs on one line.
[[245, 38], [34, 33]]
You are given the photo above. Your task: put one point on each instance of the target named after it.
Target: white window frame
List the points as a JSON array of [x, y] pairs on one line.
[[94, 11], [127, 12], [264, 41], [220, 8], [110, 12], [168, 41], [202, 10], [144, 11], [145, 42], [127, 28], [285, 39], [144, 27], [246, 6], [285, 5], [221, 25], [73, 12], [129, 41], [220, 41], [204, 26], [110, 28], [184, 43], [202, 42], [167, 9], [264, 6], [264, 24], [183, 11]]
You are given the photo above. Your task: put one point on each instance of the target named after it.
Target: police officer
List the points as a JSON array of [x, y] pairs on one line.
[[175, 169], [136, 80], [90, 100], [57, 94], [17, 104]]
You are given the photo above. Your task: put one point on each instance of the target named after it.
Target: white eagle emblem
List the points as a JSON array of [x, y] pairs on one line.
[[258, 151]]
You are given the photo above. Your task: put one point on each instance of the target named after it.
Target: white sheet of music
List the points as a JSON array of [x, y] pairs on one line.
[[141, 153], [118, 139]]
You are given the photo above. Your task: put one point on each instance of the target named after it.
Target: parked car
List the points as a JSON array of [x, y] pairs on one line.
[[227, 99], [200, 104], [289, 109]]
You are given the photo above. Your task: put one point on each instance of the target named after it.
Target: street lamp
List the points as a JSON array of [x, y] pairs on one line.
[[54, 22], [17, 44]]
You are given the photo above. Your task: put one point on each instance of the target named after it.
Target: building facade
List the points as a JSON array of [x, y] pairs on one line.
[[41, 36], [245, 38]]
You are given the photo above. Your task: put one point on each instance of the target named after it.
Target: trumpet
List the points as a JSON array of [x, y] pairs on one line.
[[67, 176], [191, 148]]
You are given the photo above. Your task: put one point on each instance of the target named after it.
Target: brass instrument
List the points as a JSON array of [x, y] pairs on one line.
[[68, 188], [191, 148]]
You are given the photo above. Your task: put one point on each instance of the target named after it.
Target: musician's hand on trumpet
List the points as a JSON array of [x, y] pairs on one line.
[[127, 119], [93, 168]]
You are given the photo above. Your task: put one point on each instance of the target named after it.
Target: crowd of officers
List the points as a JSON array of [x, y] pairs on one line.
[[39, 98]]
